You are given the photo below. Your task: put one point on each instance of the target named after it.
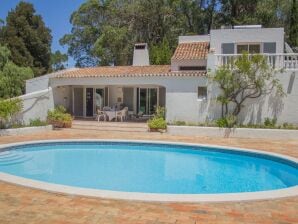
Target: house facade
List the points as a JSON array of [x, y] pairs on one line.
[[182, 87]]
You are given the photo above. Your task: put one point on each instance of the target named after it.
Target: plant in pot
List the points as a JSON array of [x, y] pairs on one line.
[[59, 118], [158, 122]]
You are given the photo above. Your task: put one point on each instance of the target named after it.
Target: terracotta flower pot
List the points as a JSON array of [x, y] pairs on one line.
[[56, 124], [67, 124]]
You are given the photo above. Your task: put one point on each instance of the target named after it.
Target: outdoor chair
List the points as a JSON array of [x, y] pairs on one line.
[[101, 114], [122, 114]]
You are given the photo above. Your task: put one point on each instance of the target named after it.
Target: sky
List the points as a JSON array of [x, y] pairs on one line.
[[55, 14]]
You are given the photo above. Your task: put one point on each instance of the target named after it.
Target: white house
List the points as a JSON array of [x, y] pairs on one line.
[[182, 87]]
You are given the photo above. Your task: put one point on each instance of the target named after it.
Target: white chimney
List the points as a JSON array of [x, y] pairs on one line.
[[140, 55]]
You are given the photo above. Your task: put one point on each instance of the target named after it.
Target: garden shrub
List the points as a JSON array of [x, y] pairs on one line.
[[160, 112], [37, 122], [157, 123], [226, 122], [9, 109], [270, 122]]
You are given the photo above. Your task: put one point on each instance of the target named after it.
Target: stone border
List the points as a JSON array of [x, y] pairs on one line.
[[234, 133], [26, 130], [153, 197]]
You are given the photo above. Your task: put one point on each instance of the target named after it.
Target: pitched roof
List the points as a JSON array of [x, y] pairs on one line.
[[192, 50], [125, 71]]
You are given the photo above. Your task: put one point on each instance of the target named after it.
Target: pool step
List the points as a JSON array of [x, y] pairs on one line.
[[11, 157], [110, 126]]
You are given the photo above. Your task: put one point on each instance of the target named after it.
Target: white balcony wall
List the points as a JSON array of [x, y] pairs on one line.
[[256, 35], [36, 105]]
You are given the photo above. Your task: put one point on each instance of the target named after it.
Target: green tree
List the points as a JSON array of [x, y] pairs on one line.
[[12, 77], [293, 33], [104, 31], [58, 61], [161, 54], [87, 25], [238, 12], [28, 39], [249, 77], [112, 47]]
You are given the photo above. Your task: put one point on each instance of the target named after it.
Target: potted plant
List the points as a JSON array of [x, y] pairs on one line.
[[59, 118], [158, 122]]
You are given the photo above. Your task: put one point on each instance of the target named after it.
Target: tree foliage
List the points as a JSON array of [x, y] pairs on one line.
[[28, 39], [293, 33], [58, 61], [12, 77], [161, 53], [248, 77], [87, 25], [104, 31], [9, 108]]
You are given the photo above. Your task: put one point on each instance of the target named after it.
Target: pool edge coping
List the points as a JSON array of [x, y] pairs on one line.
[[152, 197]]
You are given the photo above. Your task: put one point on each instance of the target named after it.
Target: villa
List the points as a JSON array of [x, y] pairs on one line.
[[182, 87]]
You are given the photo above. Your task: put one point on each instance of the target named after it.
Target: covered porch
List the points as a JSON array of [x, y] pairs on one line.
[[83, 101]]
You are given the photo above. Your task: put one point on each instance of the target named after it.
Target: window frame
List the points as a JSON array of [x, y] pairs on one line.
[[248, 44], [201, 97]]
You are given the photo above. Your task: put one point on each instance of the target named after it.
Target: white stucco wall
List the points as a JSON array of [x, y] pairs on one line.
[[63, 96], [175, 64], [181, 92], [36, 105], [37, 84], [183, 105], [257, 35], [285, 109], [42, 82]]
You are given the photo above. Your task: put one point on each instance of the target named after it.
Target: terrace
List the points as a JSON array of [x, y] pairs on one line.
[[25, 205]]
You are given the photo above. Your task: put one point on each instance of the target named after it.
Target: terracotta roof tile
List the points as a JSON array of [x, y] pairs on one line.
[[194, 50], [125, 71]]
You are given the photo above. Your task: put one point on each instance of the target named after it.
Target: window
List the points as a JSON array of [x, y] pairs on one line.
[[227, 48], [269, 48], [192, 68], [202, 92], [250, 48]]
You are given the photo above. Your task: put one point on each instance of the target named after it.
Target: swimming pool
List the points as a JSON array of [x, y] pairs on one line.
[[150, 168]]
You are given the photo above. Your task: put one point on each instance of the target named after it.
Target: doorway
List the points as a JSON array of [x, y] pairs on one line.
[[78, 98], [89, 102], [147, 100]]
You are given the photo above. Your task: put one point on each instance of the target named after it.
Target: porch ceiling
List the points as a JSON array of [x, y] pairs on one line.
[[126, 71]]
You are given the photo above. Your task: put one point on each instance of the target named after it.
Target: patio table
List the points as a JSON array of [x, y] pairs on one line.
[[111, 114]]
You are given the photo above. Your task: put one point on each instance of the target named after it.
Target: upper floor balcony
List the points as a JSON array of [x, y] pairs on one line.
[[286, 61]]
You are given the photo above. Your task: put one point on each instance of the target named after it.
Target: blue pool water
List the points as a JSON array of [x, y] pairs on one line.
[[150, 168]]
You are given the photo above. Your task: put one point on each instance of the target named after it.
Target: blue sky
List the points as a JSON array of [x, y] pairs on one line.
[[55, 13]]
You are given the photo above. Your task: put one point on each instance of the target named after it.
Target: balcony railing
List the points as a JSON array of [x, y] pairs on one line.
[[275, 61]]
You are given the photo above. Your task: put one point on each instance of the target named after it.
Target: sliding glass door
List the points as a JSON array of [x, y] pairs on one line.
[[89, 102], [78, 102], [147, 100], [99, 99]]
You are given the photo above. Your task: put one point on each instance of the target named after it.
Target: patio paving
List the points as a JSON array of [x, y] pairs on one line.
[[20, 205]]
